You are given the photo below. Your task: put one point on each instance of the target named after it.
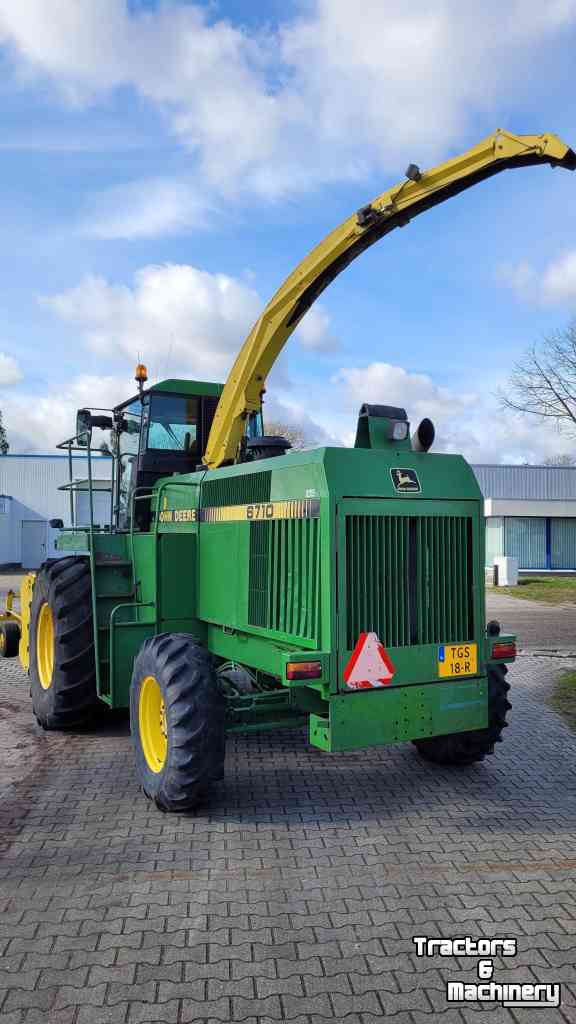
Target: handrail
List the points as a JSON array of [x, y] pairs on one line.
[[113, 626]]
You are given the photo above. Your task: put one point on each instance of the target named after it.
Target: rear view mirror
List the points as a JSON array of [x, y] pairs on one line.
[[83, 428], [102, 422]]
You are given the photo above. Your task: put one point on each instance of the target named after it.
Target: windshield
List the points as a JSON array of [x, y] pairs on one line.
[[173, 424]]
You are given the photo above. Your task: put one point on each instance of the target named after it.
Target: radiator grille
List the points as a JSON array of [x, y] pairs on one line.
[[284, 576], [237, 490], [409, 579]]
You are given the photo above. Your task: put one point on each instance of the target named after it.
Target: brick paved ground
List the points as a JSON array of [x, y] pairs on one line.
[[296, 894]]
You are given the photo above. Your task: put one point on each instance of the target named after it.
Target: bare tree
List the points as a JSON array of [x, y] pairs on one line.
[[4, 444], [560, 460], [297, 436], [543, 383]]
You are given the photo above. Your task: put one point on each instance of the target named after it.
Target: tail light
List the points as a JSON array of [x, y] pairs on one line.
[[504, 650], [303, 669]]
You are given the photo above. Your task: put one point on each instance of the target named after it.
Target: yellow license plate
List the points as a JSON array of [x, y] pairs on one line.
[[457, 660]]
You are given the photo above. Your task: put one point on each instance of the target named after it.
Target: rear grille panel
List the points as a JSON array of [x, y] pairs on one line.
[[409, 579], [284, 577]]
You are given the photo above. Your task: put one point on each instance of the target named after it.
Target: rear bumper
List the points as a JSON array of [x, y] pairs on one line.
[[369, 718]]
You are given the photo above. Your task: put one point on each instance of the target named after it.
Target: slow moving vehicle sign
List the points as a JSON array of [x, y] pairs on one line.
[[369, 665]]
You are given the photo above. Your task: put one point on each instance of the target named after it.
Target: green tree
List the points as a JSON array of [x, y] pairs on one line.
[[4, 445]]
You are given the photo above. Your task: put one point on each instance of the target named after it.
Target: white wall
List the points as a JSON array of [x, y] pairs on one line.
[[34, 480], [518, 507], [6, 539], [30, 484]]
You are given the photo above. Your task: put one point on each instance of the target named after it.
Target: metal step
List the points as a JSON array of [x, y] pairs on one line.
[[105, 563]]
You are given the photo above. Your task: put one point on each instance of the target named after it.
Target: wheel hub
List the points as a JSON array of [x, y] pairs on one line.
[[152, 724], [45, 646]]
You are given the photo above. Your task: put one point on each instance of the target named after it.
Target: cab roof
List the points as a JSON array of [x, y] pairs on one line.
[[188, 387], [175, 386]]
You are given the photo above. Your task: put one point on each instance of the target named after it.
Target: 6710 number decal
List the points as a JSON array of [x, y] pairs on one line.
[[260, 511]]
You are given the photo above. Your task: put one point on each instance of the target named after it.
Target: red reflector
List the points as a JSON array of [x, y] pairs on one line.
[[303, 669], [504, 651]]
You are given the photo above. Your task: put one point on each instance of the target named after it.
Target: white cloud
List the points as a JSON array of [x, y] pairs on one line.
[[313, 331], [554, 284], [468, 423], [281, 410], [10, 372], [559, 279], [472, 426], [272, 113], [488, 435], [177, 318], [145, 209], [38, 423], [384, 384]]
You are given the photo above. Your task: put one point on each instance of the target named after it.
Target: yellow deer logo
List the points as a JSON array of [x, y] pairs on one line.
[[405, 480]]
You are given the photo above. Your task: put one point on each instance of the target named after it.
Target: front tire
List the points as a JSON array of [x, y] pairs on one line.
[[462, 748], [62, 664], [176, 721]]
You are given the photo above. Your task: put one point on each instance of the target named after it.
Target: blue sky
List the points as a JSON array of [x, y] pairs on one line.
[[166, 165]]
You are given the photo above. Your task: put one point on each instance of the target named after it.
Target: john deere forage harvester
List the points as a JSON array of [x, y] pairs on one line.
[[240, 586]]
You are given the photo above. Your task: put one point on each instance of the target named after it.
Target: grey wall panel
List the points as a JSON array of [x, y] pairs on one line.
[[563, 543], [34, 481], [525, 539], [529, 483]]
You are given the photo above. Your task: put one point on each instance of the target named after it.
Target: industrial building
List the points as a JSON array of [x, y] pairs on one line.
[[530, 515], [530, 510], [30, 498]]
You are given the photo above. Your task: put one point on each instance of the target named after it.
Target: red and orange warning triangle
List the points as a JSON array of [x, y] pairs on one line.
[[369, 664]]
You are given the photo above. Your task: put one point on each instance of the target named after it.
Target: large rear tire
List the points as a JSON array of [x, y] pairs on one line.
[[62, 665], [177, 721], [463, 748]]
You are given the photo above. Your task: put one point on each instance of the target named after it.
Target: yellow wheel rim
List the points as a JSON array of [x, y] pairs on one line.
[[45, 646], [2, 641], [152, 724]]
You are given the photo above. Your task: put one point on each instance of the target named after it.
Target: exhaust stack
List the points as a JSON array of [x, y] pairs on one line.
[[423, 438]]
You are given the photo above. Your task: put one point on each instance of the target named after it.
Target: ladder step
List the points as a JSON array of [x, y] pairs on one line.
[[105, 563]]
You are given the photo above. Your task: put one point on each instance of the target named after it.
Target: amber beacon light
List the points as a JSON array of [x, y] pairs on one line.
[[141, 375]]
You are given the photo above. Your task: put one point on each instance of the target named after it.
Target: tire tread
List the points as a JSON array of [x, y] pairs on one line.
[[465, 748]]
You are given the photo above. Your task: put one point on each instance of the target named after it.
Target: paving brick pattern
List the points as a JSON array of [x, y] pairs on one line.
[[295, 895]]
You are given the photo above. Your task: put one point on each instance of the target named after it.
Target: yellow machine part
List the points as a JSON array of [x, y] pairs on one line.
[[26, 588], [394, 208], [152, 724]]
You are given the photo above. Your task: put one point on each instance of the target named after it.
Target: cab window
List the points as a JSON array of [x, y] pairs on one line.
[[173, 424]]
